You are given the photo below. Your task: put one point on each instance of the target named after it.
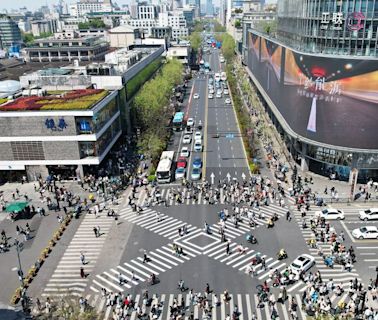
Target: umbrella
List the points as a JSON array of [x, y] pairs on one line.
[[16, 206]]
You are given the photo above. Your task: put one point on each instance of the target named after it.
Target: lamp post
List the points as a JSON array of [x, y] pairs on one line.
[[24, 298]]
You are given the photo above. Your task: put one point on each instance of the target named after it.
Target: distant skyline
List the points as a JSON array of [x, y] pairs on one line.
[[35, 4]]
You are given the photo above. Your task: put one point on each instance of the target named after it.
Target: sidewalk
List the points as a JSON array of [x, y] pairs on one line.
[[42, 231]]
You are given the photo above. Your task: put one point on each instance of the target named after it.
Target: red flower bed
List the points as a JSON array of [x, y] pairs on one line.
[[30, 103]]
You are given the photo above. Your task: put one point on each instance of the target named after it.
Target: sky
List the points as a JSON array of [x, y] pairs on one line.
[[35, 4]]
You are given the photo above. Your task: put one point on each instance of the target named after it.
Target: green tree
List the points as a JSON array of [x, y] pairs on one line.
[[68, 308], [268, 27], [92, 23], [195, 40], [151, 145], [27, 38], [238, 24]]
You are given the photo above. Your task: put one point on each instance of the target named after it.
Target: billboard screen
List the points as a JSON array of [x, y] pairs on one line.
[[326, 99]]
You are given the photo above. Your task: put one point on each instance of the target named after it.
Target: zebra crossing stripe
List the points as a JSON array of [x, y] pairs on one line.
[[128, 278], [137, 270], [163, 258], [171, 256], [154, 265]]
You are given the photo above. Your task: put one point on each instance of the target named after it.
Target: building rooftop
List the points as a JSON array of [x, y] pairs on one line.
[[13, 69], [68, 100]]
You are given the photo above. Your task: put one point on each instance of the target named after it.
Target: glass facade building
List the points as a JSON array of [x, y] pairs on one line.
[[10, 33], [341, 27], [318, 79]]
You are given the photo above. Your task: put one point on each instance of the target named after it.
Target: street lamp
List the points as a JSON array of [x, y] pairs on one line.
[[24, 298]]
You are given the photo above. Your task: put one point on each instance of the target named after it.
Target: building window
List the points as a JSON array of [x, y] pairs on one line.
[[27, 150]]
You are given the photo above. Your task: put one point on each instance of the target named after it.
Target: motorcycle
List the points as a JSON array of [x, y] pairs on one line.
[[270, 224], [281, 255], [251, 239]]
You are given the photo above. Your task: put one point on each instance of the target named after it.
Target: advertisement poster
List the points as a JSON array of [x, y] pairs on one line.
[[326, 99]]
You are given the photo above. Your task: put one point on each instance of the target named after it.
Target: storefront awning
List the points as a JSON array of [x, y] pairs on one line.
[[12, 167]]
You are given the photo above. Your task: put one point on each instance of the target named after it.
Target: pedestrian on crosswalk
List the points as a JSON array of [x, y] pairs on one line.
[[82, 258], [82, 273], [145, 258], [215, 301], [228, 248], [98, 231], [121, 279], [95, 231], [263, 264], [288, 216]]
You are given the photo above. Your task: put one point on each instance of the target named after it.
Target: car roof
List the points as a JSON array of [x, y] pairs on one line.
[[303, 257], [370, 228]]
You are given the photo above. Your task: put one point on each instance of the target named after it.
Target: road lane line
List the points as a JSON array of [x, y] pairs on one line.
[[205, 132]]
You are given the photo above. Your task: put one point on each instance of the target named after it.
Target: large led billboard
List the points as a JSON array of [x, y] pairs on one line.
[[326, 99]]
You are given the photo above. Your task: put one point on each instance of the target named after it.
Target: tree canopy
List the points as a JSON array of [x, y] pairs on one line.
[[152, 108]]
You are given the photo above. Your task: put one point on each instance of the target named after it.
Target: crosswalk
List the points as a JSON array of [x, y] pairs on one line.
[[66, 278], [156, 222], [247, 304], [338, 274], [167, 197], [137, 271]]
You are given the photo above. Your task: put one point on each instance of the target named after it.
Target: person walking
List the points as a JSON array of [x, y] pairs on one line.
[[288, 216], [228, 248], [82, 273], [145, 258], [95, 231], [263, 264], [98, 231], [82, 258]]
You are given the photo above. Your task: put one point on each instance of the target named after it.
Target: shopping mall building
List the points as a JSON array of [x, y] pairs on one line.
[[318, 77]]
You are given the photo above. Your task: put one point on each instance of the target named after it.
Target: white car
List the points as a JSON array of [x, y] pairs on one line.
[[227, 101], [330, 214], [303, 263], [187, 139], [368, 232], [196, 96], [180, 173], [197, 136], [210, 96], [219, 95], [369, 214], [198, 146], [225, 92], [190, 122], [211, 91], [222, 60], [184, 152]]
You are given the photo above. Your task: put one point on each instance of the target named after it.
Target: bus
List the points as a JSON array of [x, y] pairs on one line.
[[178, 120], [165, 168]]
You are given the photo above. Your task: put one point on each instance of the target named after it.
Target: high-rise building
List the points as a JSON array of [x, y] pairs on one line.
[[10, 33], [333, 26], [222, 12], [318, 76], [209, 8], [82, 7]]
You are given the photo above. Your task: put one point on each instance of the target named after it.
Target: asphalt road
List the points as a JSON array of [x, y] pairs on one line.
[[155, 231]]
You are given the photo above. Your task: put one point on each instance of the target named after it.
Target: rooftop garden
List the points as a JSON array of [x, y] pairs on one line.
[[72, 100]]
